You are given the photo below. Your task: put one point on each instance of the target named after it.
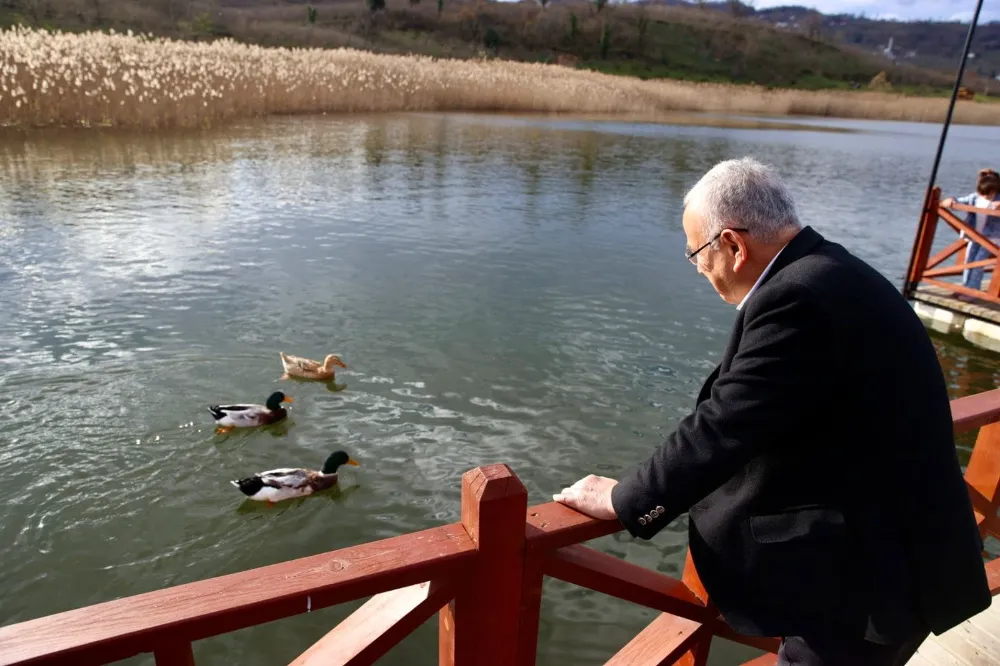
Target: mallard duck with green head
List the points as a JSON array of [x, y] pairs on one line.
[[275, 485], [228, 417]]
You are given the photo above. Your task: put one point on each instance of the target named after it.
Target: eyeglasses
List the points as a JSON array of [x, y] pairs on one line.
[[691, 255]]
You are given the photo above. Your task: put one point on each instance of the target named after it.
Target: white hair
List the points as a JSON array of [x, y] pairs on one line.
[[744, 194]]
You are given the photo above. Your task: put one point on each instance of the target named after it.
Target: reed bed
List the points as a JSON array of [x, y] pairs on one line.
[[88, 79]]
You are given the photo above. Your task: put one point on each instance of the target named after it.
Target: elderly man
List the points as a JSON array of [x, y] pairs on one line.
[[825, 500]]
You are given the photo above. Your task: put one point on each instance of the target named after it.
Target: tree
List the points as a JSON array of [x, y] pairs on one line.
[[814, 26], [642, 27], [605, 40]]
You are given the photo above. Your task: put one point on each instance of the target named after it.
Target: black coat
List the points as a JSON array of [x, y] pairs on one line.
[[819, 468]]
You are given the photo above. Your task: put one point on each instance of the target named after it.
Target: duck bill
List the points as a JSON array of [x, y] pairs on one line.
[[340, 363], [287, 399], [352, 461]]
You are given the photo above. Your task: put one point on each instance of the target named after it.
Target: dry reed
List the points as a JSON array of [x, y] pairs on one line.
[[94, 78]]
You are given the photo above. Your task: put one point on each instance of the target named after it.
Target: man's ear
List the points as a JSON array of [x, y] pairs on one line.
[[734, 244]]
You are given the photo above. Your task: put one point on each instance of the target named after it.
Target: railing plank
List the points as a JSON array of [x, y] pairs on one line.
[[975, 411], [763, 660], [960, 226], [661, 643], [617, 578], [962, 289], [604, 573], [987, 264], [943, 255], [965, 208], [119, 629], [554, 525], [381, 623]]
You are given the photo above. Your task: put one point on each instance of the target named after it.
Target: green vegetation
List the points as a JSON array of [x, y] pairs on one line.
[[649, 41], [936, 45]]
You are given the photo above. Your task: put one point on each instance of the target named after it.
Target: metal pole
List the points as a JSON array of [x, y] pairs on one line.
[[907, 286]]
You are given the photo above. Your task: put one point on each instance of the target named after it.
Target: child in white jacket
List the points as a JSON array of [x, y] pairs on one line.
[[987, 195]]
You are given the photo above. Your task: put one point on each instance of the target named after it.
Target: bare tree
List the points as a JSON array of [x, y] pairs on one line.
[[814, 26]]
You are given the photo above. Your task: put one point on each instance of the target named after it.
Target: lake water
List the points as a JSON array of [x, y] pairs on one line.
[[501, 289]]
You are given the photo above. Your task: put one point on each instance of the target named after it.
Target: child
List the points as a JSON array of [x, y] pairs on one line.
[[985, 196]]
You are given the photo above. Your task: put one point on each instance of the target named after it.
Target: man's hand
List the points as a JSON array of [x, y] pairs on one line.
[[590, 495]]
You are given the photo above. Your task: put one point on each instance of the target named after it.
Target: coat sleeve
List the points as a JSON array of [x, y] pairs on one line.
[[774, 382]]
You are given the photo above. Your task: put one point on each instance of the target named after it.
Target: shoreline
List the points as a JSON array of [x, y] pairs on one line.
[[669, 119], [113, 80]]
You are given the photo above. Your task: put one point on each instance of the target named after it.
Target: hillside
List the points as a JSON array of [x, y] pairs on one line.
[[936, 45], [643, 40]]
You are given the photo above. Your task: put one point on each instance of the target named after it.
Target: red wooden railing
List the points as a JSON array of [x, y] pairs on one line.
[[500, 545], [926, 269]]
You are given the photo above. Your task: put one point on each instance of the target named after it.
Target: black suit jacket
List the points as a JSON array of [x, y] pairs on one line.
[[819, 469]]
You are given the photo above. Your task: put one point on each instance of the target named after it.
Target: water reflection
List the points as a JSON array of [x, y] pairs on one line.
[[501, 290]]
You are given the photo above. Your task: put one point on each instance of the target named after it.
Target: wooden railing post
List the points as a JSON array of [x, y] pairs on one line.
[[531, 610], [698, 654], [480, 626], [925, 239], [174, 654], [983, 477], [994, 288]]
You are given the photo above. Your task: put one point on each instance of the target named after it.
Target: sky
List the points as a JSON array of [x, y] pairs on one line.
[[941, 10]]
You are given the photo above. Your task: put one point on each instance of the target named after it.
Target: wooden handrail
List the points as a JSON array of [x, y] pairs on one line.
[[554, 525], [972, 412], [501, 546], [126, 627], [965, 208]]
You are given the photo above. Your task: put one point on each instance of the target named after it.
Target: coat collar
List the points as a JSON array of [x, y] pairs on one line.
[[801, 244]]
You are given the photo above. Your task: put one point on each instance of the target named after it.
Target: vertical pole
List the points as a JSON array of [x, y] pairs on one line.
[[174, 654], [909, 286], [925, 240], [480, 626]]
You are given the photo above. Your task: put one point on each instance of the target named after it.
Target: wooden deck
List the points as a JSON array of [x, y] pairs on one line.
[[943, 298], [975, 642]]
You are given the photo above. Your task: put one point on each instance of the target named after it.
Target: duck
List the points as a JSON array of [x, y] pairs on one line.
[[245, 416], [297, 366], [275, 485]]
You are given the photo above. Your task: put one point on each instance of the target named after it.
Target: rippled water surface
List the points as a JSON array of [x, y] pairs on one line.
[[501, 289]]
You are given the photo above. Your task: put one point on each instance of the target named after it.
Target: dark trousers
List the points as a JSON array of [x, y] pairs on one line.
[[798, 651]]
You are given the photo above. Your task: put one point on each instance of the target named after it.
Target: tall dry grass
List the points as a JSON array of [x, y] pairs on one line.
[[131, 80]]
